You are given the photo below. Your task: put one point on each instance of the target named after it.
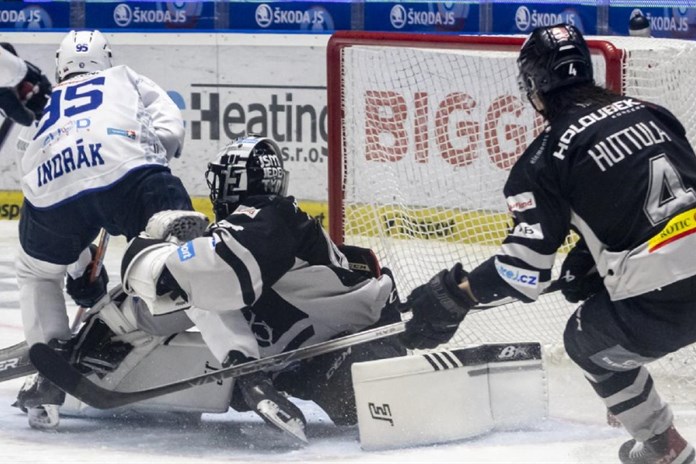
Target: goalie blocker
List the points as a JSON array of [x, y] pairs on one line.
[[442, 396]]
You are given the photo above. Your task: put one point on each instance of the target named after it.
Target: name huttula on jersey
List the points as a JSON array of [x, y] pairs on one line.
[[624, 157]]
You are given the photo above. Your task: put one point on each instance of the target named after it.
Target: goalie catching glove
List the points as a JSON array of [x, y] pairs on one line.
[[438, 308]]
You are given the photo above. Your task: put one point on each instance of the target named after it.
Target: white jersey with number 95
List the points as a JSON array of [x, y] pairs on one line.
[[97, 127]]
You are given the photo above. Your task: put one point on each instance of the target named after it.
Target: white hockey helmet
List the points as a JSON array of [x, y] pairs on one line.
[[82, 52], [141, 270]]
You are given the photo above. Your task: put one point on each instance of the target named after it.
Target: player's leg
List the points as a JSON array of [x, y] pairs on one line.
[[49, 242], [231, 340], [611, 342], [128, 205]]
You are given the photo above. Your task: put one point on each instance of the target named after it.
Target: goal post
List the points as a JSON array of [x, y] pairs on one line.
[[423, 130]]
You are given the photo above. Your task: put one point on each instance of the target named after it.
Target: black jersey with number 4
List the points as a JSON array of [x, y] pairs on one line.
[[623, 176]]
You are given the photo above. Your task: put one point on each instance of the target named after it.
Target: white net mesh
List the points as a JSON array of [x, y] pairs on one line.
[[429, 134]]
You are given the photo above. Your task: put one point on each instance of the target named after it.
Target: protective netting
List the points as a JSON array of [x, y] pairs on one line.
[[429, 133]]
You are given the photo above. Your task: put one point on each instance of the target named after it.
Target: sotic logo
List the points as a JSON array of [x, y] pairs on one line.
[[264, 15], [523, 18], [123, 15], [397, 16]]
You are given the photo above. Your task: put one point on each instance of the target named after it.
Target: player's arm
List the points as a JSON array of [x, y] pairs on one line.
[[24, 89], [166, 116], [521, 269], [229, 267]]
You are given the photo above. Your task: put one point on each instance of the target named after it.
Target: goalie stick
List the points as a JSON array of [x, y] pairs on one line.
[[59, 371]]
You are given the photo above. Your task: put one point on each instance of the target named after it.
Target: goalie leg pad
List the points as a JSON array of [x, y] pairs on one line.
[[443, 396]]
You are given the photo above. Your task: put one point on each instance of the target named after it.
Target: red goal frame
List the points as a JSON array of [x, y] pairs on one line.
[[613, 57]]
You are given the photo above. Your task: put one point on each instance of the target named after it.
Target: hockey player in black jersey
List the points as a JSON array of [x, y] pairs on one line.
[[263, 279], [621, 173]]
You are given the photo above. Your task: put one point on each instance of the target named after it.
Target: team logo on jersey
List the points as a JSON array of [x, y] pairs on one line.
[[678, 227], [517, 276], [247, 211], [122, 132], [186, 251], [521, 202], [525, 230]]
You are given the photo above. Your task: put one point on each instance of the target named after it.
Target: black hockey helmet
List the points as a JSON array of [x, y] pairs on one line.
[[247, 166], [553, 57]]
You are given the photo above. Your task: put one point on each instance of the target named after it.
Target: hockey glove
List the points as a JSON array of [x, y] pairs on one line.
[[34, 90], [438, 308], [579, 277], [26, 101], [82, 290]]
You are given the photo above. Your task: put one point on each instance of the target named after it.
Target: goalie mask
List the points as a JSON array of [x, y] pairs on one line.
[[82, 52], [247, 166], [551, 58]]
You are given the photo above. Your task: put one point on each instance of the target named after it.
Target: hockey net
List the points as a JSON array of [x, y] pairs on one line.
[[423, 130]]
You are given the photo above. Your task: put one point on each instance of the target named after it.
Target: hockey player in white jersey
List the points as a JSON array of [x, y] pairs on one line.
[[97, 158], [264, 278], [24, 89], [621, 173]]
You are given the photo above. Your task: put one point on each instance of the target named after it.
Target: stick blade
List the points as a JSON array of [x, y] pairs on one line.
[[55, 368]]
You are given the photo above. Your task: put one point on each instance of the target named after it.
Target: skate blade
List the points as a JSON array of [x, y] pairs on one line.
[[269, 410], [44, 417]]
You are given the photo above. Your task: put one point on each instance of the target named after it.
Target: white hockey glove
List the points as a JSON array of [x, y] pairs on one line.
[[176, 226]]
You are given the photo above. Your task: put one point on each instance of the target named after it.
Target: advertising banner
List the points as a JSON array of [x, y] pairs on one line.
[[150, 15], [291, 16], [226, 85], [28, 16], [422, 17], [522, 18], [675, 22]]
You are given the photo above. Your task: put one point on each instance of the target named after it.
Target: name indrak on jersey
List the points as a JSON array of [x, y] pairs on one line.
[[68, 160]]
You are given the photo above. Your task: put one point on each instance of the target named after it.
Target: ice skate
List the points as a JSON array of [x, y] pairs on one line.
[[666, 448], [274, 408], [40, 399]]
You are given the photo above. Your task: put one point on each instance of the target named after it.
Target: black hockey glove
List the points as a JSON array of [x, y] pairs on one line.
[[84, 292], [25, 102], [438, 308], [579, 277], [34, 90]]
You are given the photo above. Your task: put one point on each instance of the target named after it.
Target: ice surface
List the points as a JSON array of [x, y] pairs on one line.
[[576, 432]]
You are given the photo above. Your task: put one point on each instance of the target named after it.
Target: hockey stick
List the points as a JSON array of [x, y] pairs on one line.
[[5, 129], [59, 371], [97, 264], [14, 362]]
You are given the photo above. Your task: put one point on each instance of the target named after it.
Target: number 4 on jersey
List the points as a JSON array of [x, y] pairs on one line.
[[666, 193]]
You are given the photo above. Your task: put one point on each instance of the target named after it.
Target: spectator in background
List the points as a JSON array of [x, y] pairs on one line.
[[639, 25]]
